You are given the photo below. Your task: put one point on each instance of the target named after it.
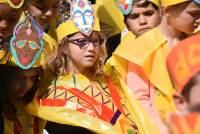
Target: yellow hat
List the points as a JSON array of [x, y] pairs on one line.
[[13, 3], [171, 2], [79, 21], [156, 2], [29, 46], [68, 28], [110, 17]]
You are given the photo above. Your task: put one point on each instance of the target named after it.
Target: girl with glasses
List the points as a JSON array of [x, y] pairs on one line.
[[81, 94]]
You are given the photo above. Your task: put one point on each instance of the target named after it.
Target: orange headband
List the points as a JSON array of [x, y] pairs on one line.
[[183, 62]]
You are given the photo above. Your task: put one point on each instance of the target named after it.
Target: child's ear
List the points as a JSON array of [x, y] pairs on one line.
[[180, 102]]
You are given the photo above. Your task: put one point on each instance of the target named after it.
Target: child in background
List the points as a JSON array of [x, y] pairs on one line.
[[148, 52], [21, 72], [183, 63], [8, 22], [44, 11], [144, 16], [184, 68]]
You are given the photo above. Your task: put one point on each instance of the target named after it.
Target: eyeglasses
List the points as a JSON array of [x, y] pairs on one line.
[[84, 42]]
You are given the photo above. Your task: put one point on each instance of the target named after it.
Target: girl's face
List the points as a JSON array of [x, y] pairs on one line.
[[21, 82], [8, 19], [43, 10], [185, 18], [83, 50]]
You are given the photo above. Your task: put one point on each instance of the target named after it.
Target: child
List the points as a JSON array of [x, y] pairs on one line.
[[145, 15], [81, 94], [184, 68], [8, 22], [44, 11], [183, 63], [147, 74], [149, 52], [19, 84]]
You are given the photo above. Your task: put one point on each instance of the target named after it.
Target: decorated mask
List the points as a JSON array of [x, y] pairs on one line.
[[125, 6], [26, 44], [83, 16]]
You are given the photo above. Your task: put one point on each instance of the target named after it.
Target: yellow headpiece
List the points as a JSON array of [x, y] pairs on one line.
[[110, 17], [29, 46], [171, 2], [13, 3], [156, 2], [82, 20]]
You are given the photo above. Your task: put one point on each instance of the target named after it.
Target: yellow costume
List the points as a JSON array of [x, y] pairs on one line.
[[120, 62], [149, 54], [149, 51], [25, 123], [94, 105]]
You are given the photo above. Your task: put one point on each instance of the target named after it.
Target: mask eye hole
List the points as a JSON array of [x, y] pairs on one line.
[[88, 13], [33, 45], [20, 43], [77, 15]]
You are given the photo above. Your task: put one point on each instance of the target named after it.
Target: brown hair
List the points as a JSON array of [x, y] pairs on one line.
[[186, 90], [59, 63], [140, 3]]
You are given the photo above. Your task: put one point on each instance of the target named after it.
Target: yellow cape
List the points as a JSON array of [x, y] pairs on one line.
[[148, 51], [64, 111]]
